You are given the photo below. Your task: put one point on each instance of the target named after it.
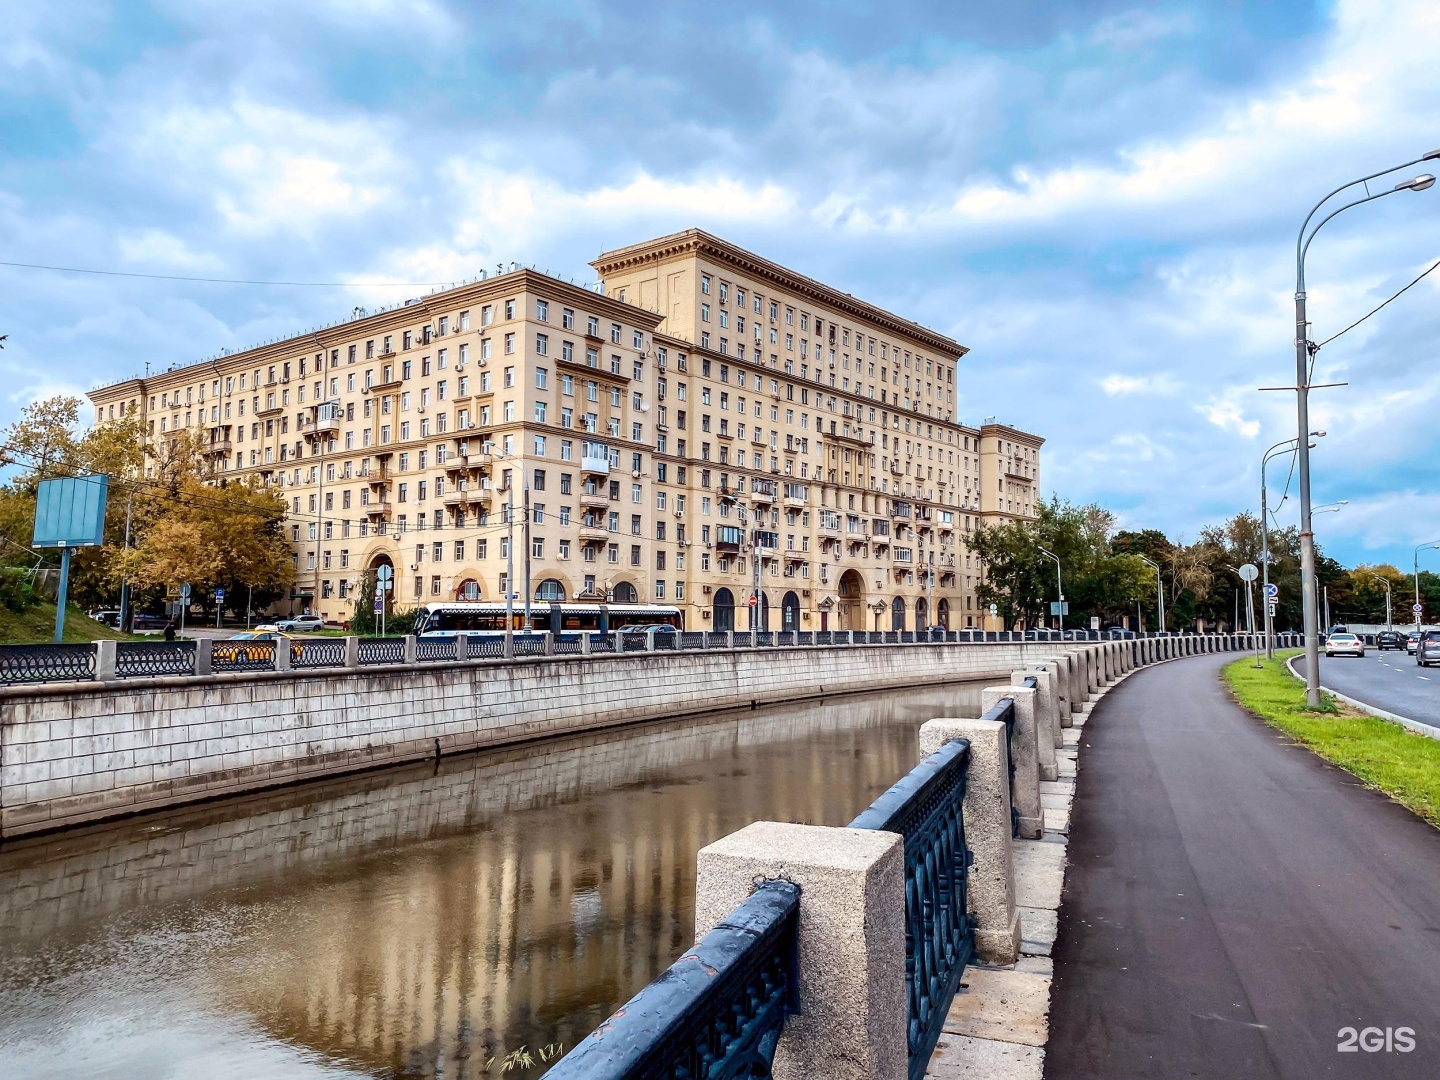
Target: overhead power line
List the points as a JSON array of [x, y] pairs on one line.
[[232, 281], [1316, 348]]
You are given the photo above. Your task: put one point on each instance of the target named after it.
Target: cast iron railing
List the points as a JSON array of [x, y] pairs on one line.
[[139, 658], [1003, 711], [927, 809], [56, 663], [46, 663], [716, 1013]]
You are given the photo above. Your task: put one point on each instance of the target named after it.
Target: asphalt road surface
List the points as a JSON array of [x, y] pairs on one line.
[[1232, 902], [1388, 680]]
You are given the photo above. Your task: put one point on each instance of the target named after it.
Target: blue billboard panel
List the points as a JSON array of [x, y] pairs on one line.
[[71, 512]]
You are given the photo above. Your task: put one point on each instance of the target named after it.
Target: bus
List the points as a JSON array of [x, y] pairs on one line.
[[564, 619]]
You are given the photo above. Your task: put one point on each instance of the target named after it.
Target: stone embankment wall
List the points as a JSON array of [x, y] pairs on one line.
[[83, 752]]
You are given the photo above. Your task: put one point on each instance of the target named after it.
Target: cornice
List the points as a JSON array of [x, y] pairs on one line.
[[699, 242]]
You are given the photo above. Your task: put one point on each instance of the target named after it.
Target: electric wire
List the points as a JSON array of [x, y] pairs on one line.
[[233, 281]]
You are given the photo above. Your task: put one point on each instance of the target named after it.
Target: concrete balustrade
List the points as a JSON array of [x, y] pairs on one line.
[[1044, 707], [1025, 792]]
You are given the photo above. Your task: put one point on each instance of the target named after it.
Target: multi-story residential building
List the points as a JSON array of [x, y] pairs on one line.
[[702, 429]]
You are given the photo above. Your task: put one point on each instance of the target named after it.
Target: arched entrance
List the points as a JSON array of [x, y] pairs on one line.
[[724, 617], [922, 613], [371, 573], [897, 613], [625, 593], [760, 613], [851, 609], [790, 612], [942, 613], [550, 589]]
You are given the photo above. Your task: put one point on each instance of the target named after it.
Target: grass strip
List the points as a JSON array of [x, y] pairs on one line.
[[1384, 755]]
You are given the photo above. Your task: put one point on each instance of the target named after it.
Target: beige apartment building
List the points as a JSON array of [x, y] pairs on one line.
[[701, 428]]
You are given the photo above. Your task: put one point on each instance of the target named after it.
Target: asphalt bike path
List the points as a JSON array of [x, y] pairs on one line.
[[1232, 902]]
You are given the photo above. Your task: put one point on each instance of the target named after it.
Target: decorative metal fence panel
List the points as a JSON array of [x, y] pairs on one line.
[[140, 658], [1003, 711], [716, 1013], [632, 642], [567, 646], [382, 650], [765, 638], [692, 639], [318, 654], [602, 643], [926, 808], [46, 663], [429, 650], [486, 648], [243, 656], [824, 637], [528, 645]]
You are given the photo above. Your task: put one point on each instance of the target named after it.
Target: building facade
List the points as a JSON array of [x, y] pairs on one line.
[[704, 429]]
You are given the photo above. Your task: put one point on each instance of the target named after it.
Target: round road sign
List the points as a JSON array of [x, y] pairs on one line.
[[384, 573], [1249, 572], [1416, 609], [1272, 590]]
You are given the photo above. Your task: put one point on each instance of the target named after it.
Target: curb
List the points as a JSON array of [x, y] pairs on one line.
[[1428, 730]]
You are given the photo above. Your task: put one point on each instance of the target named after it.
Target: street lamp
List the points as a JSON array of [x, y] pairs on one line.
[[1059, 585], [1159, 590], [1328, 508], [1420, 548], [1389, 625], [1265, 538], [1302, 400]]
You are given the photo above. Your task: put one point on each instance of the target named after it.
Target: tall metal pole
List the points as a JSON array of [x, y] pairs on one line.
[[1159, 590], [1059, 585], [1302, 407], [525, 482], [123, 622], [510, 558], [1420, 548]]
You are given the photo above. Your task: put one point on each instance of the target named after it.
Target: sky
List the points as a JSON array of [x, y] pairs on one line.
[[1099, 199]]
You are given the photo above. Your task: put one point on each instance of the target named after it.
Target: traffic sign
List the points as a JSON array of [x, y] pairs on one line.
[[384, 573], [1249, 572], [219, 595], [383, 586], [379, 605], [753, 601], [1416, 608], [994, 609], [1272, 590], [1059, 607], [185, 593]]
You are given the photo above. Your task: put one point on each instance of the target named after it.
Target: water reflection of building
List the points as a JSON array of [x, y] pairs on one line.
[[418, 924]]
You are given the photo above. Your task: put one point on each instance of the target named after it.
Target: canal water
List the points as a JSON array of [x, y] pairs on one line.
[[467, 919]]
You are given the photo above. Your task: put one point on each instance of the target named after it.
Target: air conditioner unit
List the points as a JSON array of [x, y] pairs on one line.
[[705, 589], [679, 513], [635, 474], [414, 566]]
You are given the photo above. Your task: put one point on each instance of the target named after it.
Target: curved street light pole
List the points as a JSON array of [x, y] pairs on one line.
[[1059, 585], [1418, 549], [1302, 402], [1159, 590], [1389, 621], [1265, 540]]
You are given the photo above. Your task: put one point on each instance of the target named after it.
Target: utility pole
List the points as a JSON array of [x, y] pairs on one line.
[[509, 559], [525, 483], [1159, 590], [1059, 586], [124, 621]]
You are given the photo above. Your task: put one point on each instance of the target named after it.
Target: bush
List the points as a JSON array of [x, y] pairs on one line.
[[16, 591]]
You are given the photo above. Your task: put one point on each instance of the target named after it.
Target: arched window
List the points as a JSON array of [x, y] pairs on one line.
[[468, 589], [625, 593], [942, 613], [897, 613], [550, 589], [922, 613]]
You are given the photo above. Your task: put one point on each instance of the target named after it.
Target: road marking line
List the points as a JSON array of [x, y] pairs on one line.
[[1425, 677]]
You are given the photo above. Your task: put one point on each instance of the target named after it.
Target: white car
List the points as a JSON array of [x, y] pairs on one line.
[[1344, 645]]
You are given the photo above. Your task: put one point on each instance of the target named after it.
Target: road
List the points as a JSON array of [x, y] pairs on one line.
[[1388, 680], [1232, 902]]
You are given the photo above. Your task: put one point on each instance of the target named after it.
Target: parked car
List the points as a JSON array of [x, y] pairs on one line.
[[1427, 650], [253, 646], [1344, 644], [644, 628], [1337, 629], [301, 624], [1119, 633], [1411, 640], [1389, 639], [149, 622], [109, 618]]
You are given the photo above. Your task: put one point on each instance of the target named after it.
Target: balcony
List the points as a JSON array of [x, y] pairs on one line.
[[830, 532], [729, 538], [594, 534], [593, 500], [479, 496], [380, 480], [378, 509], [762, 492], [595, 459], [455, 498], [794, 503], [900, 511]]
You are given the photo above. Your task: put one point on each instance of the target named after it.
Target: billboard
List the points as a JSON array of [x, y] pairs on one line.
[[70, 512]]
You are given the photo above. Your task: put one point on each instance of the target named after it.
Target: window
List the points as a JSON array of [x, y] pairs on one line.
[[542, 310], [542, 344], [542, 378]]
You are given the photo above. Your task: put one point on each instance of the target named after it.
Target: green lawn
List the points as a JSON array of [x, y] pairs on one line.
[[1384, 755], [37, 626]]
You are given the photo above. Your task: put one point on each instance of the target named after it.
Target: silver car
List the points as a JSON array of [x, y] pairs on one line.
[[1427, 649]]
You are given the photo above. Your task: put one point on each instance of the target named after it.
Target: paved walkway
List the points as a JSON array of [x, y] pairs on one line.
[[1232, 902]]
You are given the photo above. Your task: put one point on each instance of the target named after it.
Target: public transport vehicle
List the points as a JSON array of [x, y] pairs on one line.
[[567, 620]]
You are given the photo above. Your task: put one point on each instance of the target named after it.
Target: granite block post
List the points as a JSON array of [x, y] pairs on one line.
[[987, 832], [1044, 720], [1025, 784], [853, 1007]]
